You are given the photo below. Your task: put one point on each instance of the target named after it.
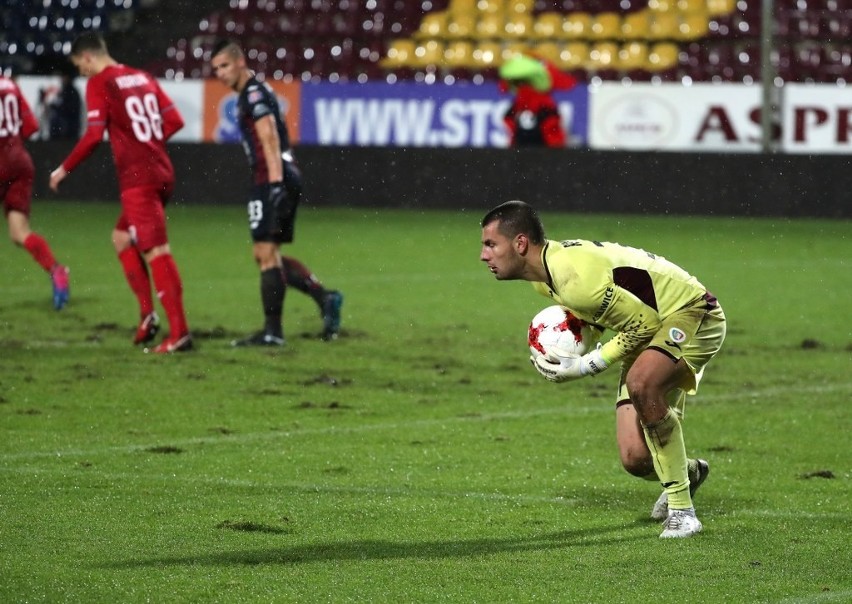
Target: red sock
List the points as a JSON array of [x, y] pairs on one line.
[[137, 278], [170, 292], [40, 251]]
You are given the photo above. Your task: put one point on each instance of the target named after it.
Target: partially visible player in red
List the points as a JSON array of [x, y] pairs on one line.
[[131, 107], [17, 123]]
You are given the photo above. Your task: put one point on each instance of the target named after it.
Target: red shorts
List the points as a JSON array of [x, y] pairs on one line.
[[16, 182], [143, 214]]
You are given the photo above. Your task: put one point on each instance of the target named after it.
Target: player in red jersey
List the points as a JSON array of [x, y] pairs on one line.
[[138, 116], [17, 123]]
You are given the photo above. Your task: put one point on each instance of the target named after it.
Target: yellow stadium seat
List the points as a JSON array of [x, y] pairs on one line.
[[662, 56], [548, 50], [603, 55], [577, 25], [634, 26], [574, 55], [461, 25], [605, 26], [661, 6], [458, 7], [548, 26], [459, 54], [489, 6], [514, 48], [693, 26], [400, 54], [433, 25], [426, 53], [488, 54], [663, 26], [691, 6], [519, 25], [489, 26], [721, 7], [633, 55], [520, 6]]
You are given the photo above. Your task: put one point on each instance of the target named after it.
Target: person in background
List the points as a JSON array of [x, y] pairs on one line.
[[275, 195], [64, 111], [667, 326], [17, 173], [129, 105], [533, 118]]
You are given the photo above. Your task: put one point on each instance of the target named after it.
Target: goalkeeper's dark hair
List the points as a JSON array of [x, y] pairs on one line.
[[517, 217]]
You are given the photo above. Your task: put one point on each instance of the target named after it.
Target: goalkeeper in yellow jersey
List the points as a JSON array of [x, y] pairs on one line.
[[667, 328]]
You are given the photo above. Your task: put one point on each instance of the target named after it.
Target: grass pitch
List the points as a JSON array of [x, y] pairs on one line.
[[419, 458]]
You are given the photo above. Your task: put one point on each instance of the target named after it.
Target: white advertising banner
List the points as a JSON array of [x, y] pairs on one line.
[[817, 118], [670, 117]]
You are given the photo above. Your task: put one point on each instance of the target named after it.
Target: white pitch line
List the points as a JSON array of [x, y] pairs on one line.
[[567, 410]]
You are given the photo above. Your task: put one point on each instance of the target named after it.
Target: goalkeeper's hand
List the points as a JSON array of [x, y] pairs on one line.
[[277, 193], [561, 366]]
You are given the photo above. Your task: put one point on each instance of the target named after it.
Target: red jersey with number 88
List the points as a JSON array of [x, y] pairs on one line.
[[129, 105]]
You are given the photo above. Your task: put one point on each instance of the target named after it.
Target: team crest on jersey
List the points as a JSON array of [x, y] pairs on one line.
[[254, 96], [677, 336]]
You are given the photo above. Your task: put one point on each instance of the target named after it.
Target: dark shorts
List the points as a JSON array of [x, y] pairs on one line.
[[143, 215], [16, 182], [270, 224]]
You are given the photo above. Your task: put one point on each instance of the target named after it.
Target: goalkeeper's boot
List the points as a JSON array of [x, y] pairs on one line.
[[660, 511], [61, 287], [170, 345], [331, 304], [147, 329], [681, 523], [261, 338]]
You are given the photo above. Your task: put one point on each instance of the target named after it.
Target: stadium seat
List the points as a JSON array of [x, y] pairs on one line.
[[691, 6], [721, 7], [400, 53], [427, 53], [605, 26], [661, 6], [433, 25], [459, 54], [663, 26], [662, 56], [573, 56], [633, 56], [634, 26], [488, 54], [519, 25], [577, 25], [548, 25], [489, 26], [461, 25], [549, 51], [602, 56], [692, 26]]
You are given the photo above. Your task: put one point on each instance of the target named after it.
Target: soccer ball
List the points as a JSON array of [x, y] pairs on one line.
[[556, 326]]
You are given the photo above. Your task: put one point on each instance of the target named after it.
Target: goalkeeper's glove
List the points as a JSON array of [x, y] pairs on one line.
[[561, 366]]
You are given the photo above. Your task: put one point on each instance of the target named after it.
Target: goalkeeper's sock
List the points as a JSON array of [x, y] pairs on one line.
[[665, 441], [136, 273], [169, 288], [39, 249], [299, 276], [273, 287]]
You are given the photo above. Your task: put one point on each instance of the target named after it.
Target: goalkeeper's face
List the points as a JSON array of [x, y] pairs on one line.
[[501, 253]]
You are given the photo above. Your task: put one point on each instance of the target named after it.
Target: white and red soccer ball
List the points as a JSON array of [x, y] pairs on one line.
[[555, 326]]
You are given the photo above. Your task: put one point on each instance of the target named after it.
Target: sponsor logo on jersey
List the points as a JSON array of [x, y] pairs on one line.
[[676, 337]]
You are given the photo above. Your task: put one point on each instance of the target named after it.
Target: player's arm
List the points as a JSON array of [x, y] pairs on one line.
[[270, 143], [95, 127], [172, 119]]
